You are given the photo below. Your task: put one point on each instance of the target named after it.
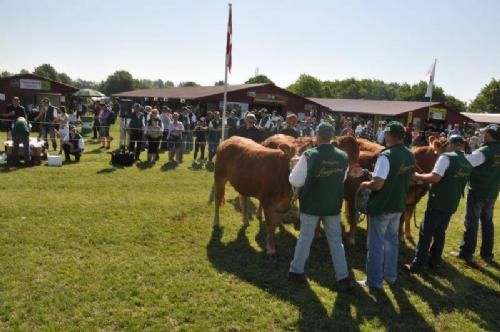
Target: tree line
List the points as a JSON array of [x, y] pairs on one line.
[[488, 100]]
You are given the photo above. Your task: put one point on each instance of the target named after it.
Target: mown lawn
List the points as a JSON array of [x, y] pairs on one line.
[[92, 247]]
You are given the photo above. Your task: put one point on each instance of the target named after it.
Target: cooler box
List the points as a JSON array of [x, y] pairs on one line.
[[55, 160]]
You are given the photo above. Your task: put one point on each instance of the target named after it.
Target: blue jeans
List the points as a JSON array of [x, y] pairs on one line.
[[26, 148], [383, 243], [478, 209], [432, 230], [333, 233]]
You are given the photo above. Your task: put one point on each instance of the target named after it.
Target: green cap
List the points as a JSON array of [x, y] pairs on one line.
[[493, 129], [325, 129], [455, 139], [394, 127]]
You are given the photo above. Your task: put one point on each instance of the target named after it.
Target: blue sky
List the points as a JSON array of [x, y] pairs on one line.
[[330, 39]]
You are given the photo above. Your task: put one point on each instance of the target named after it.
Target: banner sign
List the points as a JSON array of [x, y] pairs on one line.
[[28, 84]]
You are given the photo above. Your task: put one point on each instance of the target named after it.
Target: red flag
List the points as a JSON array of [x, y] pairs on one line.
[[229, 43]]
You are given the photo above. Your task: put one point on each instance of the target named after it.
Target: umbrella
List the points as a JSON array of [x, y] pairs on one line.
[[87, 93]]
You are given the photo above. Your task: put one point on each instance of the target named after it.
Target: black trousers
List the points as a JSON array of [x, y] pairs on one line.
[[67, 152], [135, 144], [199, 146], [431, 237]]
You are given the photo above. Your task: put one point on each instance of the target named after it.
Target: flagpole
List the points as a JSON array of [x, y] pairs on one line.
[[224, 104], [430, 96]]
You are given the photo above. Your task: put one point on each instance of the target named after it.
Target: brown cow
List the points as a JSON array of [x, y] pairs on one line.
[[255, 171]]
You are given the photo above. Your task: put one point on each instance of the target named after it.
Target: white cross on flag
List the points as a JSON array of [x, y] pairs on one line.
[[229, 42], [430, 79]]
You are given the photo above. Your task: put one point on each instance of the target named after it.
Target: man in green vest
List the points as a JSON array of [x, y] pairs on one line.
[[448, 178], [48, 117], [483, 192], [214, 136], [21, 134], [389, 187], [321, 172]]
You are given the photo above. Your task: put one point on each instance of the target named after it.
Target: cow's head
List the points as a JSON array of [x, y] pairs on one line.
[[350, 146], [438, 144]]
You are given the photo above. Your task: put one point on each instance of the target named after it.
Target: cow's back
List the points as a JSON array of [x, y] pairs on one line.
[[252, 169]]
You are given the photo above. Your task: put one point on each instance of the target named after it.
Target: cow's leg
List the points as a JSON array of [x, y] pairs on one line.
[[350, 214], [259, 211], [219, 187], [272, 221], [408, 215], [244, 209]]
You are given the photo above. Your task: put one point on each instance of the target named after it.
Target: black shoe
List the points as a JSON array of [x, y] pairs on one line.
[[468, 260], [412, 268], [345, 285], [488, 260], [299, 278]]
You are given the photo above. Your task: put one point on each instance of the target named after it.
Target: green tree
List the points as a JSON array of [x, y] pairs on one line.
[[259, 79], [168, 84], [306, 86], [5, 74], [188, 83], [488, 100], [24, 71], [219, 83], [82, 84], [64, 78], [47, 71], [119, 81]]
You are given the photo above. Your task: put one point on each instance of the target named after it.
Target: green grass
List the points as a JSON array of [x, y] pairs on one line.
[[92, 247]]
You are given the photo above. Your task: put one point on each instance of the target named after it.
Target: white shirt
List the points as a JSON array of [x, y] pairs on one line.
[[382, 168], [441, 165], [476, 158], [298, 174]]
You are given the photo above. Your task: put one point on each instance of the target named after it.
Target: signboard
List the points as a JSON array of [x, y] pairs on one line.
[[437, 113], [269, 98], [28, 84]]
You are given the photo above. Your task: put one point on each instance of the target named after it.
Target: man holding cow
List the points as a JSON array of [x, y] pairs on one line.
[[483, 192], [321, 172], [389, 187], [449, 177]]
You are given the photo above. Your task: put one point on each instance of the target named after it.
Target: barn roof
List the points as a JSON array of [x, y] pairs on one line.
[[38, 77], [194, 92], [379, 107], [483, 117]]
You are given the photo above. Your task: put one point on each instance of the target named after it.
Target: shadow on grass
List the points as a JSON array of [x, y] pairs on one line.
[[168, 166], [95, 151], [107, 170], [370, 307], [142, 165]]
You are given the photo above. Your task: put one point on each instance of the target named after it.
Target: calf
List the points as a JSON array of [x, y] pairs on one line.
[[255, 171]]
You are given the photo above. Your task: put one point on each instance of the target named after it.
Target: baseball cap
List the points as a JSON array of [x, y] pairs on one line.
[[325, 129], [493, 129], [394, 127], [455, 139]]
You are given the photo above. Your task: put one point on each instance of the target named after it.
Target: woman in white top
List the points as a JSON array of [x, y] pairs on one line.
[[175, 130], [63, 122]]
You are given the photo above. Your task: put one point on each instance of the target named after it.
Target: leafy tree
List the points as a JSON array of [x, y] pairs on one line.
[[5, 74], [82, 84], [64, 78], [488, 100], [168, 84], [119, 81], [259, 79], [188, 83], [46, 71], [306, 86], [219, 83], [24, 71], [143, 84]]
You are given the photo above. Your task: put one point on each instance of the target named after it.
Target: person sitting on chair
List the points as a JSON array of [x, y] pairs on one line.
[[73, 144]]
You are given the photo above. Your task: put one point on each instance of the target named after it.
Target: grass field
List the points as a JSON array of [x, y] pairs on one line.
[[92, 247]]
